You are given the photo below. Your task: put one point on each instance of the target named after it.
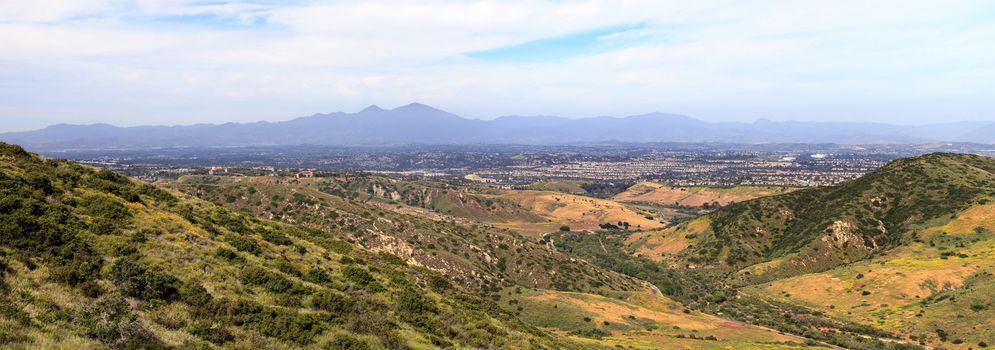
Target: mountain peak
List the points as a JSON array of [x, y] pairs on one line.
[[416, 106], [372, 108]]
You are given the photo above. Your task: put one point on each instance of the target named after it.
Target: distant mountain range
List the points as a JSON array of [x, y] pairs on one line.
[[418, 123]]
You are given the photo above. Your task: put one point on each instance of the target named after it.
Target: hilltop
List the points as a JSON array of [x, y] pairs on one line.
[[92, 259], [907, 250], [820, 228]]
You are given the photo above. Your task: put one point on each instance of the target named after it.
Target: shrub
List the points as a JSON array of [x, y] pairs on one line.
[[212, 333], [391, 258], [594, 333], [271, 281], [244, 244], [346, 342], [228, 254], [195, 294], [277, 238], [109, 320], [332, 302], [439, 282], [362, 278], [156, 193], [411, 302], [91, 289], [136, 280], [285, 325]]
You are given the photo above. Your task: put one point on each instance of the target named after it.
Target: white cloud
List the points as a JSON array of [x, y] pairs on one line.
[[190, 61]]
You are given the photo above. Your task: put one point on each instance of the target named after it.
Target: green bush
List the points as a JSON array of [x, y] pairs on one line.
[[136, 280], [285, 325], [110, 321], [333, 302], [318, 276], [346, 342], [108, 214], [228, 254], [277, 238], [271, 281], [244, 244], [156, 193], [210, 332], [362, 278], [195, 294]]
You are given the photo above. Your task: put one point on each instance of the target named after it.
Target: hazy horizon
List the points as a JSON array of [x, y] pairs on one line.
[[278, 120], [187, 62]]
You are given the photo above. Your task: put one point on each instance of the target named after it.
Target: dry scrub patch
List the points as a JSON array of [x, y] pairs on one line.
[[663, 194], [577, 212], [663, 244], [640, 320]]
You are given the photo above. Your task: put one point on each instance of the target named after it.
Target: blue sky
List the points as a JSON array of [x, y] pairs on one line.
[[184, 62]]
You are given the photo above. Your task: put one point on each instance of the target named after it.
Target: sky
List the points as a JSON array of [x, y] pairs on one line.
[[158, 62]]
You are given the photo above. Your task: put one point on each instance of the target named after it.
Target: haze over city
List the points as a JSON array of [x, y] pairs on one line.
[[187, 62]]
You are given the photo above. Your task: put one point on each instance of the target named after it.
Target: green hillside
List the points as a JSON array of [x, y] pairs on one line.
[[903, 254], [479, 256], [541, 285], [820, 228], [92, 259]]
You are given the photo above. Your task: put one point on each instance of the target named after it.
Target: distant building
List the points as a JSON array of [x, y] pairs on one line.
[[305, 174]]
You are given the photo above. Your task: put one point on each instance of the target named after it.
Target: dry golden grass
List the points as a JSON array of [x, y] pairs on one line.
[[578, 212], [644, 321], [887, 291], [663, 194], [966, 222], [663, 244]]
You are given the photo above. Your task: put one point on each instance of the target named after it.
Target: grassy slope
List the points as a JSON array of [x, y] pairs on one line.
[[917, 233], [640, 321], [818, 229], [565, 186], [663, 194], [576, 212], [479, 256], [528, 211], [92, 259], [943, 281], [523, 301]]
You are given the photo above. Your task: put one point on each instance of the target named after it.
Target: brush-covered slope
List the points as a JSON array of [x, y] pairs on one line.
[[937, 290], [821, 228], [529, 278], [528, 211], [91, 259], [476, 255]]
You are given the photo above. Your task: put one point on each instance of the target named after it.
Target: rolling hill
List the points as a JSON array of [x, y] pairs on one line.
[[529, 211], [907, 249], [561, 294], [92, 259], [475, 255]]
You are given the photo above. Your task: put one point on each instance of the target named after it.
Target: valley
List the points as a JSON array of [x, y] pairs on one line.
[[551, 265]]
